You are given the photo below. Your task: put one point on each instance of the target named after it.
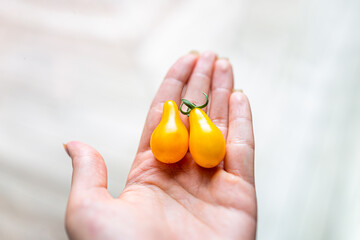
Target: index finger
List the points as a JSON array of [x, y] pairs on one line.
[[170, 89]]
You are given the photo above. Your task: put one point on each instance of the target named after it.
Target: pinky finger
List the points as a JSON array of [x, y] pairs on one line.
[[240, 143]]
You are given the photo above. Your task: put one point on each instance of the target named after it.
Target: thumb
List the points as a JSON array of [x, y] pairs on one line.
[[89, 169]]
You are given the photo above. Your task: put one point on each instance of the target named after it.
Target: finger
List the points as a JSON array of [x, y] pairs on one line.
[[89, 169], [221, 89], [239, 158], [170, 89], [200, 80]]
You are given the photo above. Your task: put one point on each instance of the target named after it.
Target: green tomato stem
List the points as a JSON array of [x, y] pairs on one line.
[[191, 105]]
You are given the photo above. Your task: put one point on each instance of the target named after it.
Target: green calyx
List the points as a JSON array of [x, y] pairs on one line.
[[191, 105]]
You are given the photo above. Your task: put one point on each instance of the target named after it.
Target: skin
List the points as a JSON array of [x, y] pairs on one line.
[[180, 200]]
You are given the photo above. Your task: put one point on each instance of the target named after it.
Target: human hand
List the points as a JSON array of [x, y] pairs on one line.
[[181, 200]]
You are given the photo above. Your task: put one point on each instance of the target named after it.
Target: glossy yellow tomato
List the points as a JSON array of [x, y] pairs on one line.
[[170, 140], [207, 144]]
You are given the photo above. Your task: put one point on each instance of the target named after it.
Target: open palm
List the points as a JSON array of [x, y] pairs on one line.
[[181, 200]]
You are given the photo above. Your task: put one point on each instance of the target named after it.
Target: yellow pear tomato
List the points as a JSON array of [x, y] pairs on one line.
[[207, 143], [170, 140]]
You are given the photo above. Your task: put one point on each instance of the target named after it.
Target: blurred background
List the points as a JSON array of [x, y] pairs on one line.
[[87, 70]]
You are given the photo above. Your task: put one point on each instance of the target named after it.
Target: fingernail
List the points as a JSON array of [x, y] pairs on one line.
[[194, 52], [225, 58], [66, 149], [238, 90]]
